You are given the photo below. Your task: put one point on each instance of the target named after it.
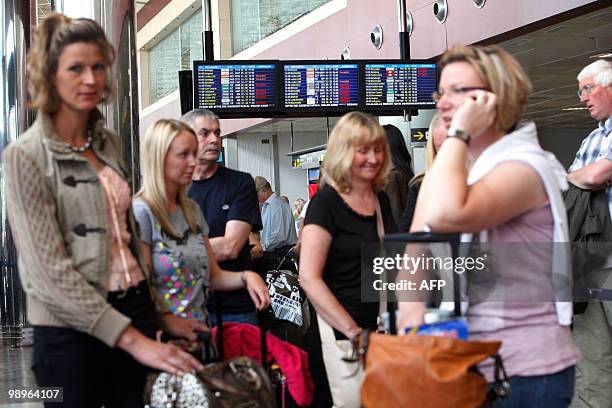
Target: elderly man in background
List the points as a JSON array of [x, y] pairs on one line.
[[591, 172], [278, 233]]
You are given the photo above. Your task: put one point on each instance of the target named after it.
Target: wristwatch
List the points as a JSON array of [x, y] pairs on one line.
[[459, 134]]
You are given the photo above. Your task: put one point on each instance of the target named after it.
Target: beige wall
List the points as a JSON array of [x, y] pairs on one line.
[[161, 109], [223, 30]]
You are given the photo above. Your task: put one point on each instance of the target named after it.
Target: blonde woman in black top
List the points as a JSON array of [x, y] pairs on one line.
[[340, 217]]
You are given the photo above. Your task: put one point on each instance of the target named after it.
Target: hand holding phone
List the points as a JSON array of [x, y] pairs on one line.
[[477, 113]]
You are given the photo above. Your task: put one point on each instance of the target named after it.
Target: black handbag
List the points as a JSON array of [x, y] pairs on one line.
[[288, 300]]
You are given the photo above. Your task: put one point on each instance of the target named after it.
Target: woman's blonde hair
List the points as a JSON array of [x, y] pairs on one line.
[[430, 149], [353, 129], [430, 152], [53, 35], [502, 75], [155, 146]]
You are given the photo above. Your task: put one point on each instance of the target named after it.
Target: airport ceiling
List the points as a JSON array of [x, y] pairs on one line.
[[552, 57]]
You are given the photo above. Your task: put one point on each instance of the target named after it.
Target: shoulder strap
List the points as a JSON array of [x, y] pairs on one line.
[[380, 226], [384, 304]]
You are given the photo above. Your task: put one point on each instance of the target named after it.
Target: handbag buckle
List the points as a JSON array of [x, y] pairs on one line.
[[357, 352], [501, 389]]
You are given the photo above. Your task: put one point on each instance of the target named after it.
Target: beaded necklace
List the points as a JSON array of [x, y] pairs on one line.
[[87, 145]]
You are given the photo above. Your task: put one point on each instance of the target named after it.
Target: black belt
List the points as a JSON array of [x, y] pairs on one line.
[[132, 290]]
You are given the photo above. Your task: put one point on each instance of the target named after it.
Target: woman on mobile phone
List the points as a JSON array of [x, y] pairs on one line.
[[492, 179], [342, 215]]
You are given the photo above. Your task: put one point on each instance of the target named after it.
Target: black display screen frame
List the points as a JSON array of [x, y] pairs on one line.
[[321, 110], [386, 110], [242, 112]]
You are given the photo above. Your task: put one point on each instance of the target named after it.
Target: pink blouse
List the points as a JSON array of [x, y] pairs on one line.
[[124, 269]]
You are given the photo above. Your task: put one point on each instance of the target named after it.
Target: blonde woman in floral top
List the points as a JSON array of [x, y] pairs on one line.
[[173, 228]]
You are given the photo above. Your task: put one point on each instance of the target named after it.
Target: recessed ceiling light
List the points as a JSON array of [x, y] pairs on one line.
[[604, 55], [574, 109]]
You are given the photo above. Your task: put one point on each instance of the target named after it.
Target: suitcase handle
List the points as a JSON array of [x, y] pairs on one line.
[[209, 354]]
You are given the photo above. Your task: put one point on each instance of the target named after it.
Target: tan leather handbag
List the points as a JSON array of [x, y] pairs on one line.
[[424, 371]]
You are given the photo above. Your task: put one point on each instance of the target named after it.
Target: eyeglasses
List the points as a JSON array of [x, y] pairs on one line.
[[456, 92], [586, 90], [205, 132]]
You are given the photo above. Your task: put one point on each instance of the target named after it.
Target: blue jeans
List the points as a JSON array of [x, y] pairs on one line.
[[234, 318], [541, 391]]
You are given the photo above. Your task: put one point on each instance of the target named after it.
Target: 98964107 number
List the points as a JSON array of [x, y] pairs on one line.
[[46, 394]]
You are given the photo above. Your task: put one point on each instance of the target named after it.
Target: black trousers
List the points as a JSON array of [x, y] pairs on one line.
[[91, 373], [312, 345]]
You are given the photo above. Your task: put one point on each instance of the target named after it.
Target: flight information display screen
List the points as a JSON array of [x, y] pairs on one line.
[[236, 86], [397, 85], [326, 85]]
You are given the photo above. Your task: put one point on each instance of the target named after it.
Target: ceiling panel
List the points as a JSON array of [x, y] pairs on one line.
[[553, 57]]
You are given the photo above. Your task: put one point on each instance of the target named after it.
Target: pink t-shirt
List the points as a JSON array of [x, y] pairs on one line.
[[124, 269], [533, 342]]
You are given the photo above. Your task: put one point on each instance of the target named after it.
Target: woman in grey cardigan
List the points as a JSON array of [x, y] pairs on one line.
[[69, 207]]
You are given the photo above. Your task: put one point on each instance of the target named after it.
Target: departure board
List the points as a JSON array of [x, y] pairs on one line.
[[234, 86], [326, 86], [393, 85]]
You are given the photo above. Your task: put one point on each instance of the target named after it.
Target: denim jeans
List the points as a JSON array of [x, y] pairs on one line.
[[234, 318], [542, 391]]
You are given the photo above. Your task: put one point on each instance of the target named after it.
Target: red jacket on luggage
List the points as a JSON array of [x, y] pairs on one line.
[[243, 339]]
